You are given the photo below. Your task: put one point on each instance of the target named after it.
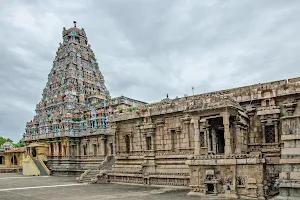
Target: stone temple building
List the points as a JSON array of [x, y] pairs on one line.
[[237, 143]]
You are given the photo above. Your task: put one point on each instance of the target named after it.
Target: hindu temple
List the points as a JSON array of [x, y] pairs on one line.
[[240, 143], [71, 118]]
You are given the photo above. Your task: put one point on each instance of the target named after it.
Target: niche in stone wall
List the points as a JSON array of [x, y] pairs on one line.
[[173, 139], [149, 142], [127, 143], [270, 134]]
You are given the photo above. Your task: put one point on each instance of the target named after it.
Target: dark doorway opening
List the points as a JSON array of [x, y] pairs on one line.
[[33, 152], [220, 141], [127, 143], [84, 150], [111, 148], [14, 160], [149, 143], [210, 188], [51, 149], [2, 160]]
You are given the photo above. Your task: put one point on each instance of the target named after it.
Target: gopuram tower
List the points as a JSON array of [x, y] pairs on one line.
[[71, 118]]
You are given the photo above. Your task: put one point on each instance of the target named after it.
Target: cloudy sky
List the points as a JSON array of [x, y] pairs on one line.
[[147, 48]]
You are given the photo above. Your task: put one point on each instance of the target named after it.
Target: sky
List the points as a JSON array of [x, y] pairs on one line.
[[147, 49]]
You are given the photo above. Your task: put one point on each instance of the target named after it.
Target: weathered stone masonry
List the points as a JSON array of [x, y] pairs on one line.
[[226, 143]]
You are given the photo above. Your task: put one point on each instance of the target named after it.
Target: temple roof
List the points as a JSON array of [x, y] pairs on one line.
[[193, 104], [7, 144], [16, 150], [77, 30]]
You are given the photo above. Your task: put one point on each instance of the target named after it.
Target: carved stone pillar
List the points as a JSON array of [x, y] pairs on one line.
[[186, 128], [68, 148], [239, 139], [77, 148], [61, 149], [103, 145], [165, 133], [178, 138], [144, 140], [153, 146], [140, 139], [214, 145], [208, 141], [131, 142], [88, 147], [114, 131], [206, 132], [263, 124], [195, 121], [251, 132], [117, 143], [205, 137], [49, 149], [227, 134], [160, 129], [276, 131]]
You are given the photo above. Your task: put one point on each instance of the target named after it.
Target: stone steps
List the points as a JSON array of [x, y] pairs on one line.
[[91, 175]]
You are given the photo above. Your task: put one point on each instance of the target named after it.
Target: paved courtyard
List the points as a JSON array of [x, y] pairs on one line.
[[18, 187]]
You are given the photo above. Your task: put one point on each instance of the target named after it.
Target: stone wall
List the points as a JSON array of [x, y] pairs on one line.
[[241, 121]]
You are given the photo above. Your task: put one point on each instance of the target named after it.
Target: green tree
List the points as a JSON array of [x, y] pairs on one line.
[[19, 144], [3, 140]]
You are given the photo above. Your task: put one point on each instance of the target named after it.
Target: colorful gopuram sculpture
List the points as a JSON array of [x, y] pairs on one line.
[[72, 114]]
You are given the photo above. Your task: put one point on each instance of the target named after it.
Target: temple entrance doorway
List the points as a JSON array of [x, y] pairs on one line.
[[2, 160], [33, 152], [14, 160], [111, 148], [220, 141], [216, 136], [210, 188]]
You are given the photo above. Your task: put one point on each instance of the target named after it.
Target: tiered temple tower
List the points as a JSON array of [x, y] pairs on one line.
[[71, 117], [75, 84]]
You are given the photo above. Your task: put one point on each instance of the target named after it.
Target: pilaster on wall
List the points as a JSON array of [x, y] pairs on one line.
[[195, 121], [227, 134], [77, 148], [239, 139], [186, 128], [103, 144]]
